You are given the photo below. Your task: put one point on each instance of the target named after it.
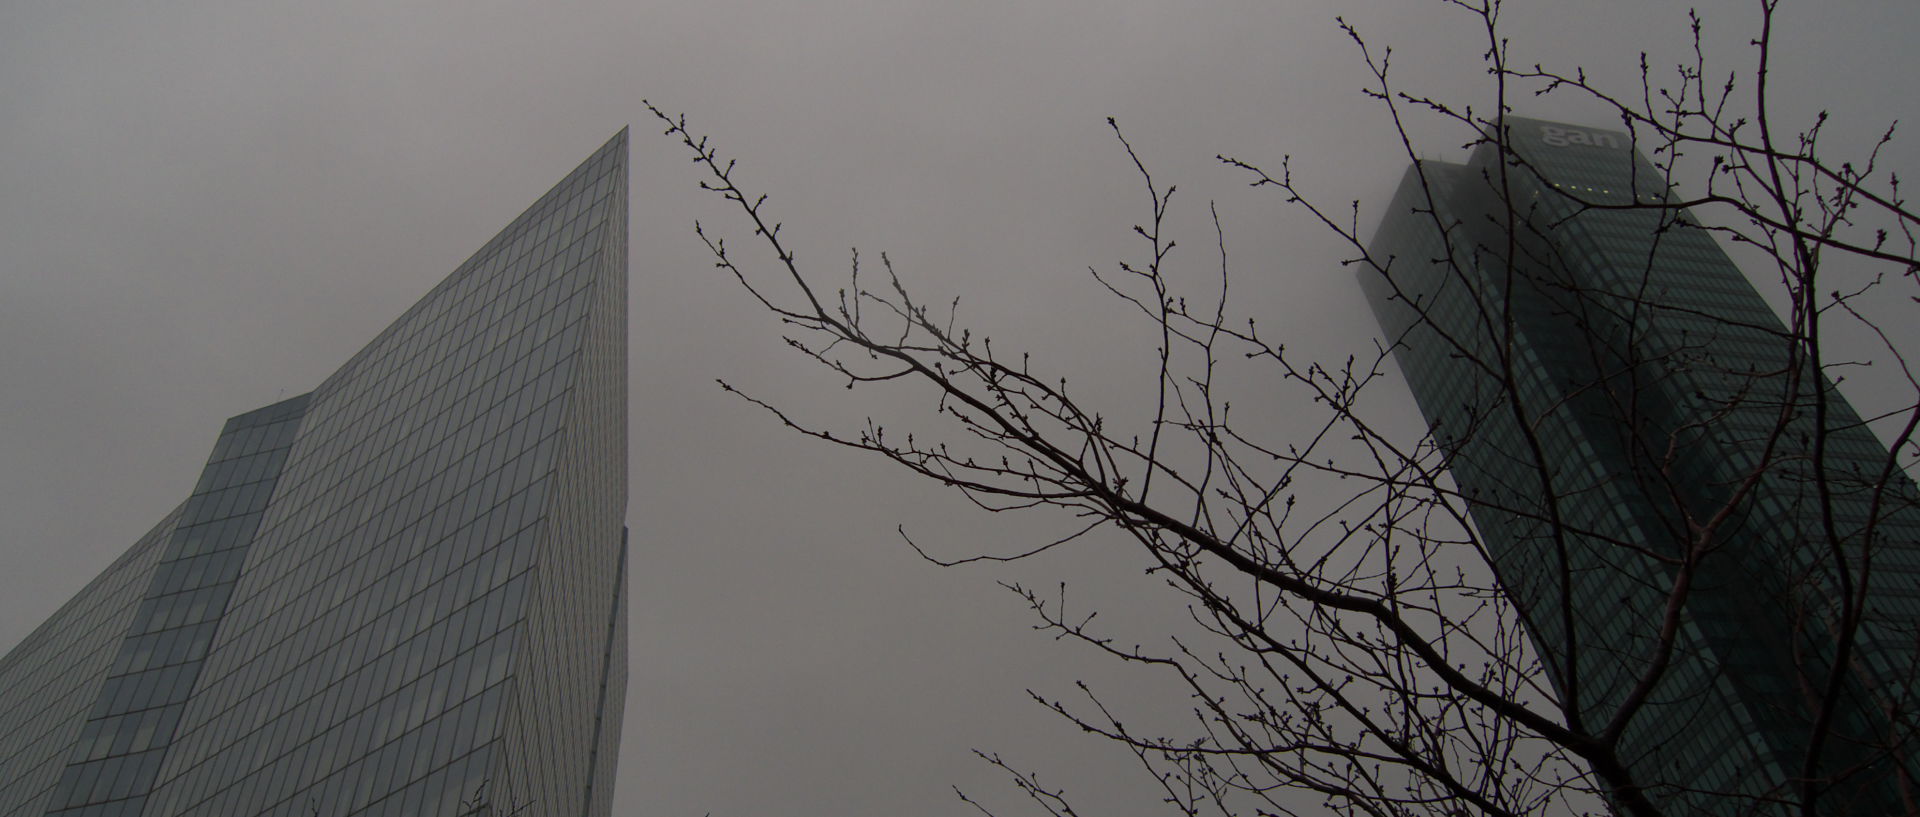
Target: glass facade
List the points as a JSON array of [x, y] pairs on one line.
[[403, 593], [1612, 369]]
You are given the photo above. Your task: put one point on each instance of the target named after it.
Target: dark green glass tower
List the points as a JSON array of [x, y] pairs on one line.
[[403, 593], [1610, 391]]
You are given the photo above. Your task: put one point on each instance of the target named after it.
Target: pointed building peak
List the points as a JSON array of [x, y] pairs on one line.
[[438, 527]]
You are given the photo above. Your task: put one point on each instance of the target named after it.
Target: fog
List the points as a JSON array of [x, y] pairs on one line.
[[207, 206]]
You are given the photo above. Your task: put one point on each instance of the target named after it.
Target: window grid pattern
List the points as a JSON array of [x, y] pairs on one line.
[[1494, 471], [551, 710], [369, 578], [53, 676], [611, 710], [122, 743], [375, 637], [1622, 325]]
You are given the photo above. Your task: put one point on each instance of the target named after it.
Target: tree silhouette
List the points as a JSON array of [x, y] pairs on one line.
[[1360, 637]]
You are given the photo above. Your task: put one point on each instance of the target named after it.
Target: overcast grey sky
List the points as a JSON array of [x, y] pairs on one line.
[[205, 206]]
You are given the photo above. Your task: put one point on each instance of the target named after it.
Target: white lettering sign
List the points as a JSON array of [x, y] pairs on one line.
[[1561, 137]]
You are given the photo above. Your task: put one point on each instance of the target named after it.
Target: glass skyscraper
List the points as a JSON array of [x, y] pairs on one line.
[[1608, 390], [403, 593]]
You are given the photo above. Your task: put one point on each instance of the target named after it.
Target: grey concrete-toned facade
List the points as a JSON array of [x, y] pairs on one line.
[[403, 593], [1651, 383]]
